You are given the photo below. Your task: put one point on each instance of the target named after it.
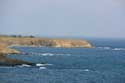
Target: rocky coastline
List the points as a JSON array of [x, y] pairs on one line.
[[5, 61], [6, 42]]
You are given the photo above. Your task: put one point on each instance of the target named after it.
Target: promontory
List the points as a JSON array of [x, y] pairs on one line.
[[6, 41]]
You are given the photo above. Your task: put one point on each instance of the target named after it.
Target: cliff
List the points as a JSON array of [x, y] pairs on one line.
[[5, 42], [38, 42]]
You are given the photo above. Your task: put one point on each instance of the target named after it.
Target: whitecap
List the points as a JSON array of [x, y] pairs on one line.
[[25, 65], [51, 54], [86, 70], [106, 48], [47, 54], [118, 49], [42, 68], [38, 64]]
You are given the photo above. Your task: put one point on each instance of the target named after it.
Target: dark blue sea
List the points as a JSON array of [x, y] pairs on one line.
[[104, 63]]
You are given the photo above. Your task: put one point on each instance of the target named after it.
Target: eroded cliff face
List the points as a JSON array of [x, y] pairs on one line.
[[71, 43], [5, 42], [5, 50], [64, 43]]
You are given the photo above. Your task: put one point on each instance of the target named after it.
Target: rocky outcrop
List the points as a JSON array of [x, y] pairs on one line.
[[8, 51], [38, 42], [5, 50], [4, 61], [5, 42], [71, 43], [44, 42]]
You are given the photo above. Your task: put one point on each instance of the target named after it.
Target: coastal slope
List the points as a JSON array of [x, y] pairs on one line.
[[5, 42]]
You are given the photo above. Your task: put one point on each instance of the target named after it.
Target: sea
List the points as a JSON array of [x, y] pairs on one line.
[[104, 63]]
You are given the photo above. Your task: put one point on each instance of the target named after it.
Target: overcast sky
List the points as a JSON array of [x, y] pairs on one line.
[[83, 18]]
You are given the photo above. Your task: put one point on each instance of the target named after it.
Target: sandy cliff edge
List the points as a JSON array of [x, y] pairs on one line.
[[61, 43]]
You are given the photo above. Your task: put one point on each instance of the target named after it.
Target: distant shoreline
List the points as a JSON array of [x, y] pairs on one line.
[[6, 42]]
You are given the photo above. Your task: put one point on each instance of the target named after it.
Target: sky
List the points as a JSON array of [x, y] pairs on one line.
[[67, 18]]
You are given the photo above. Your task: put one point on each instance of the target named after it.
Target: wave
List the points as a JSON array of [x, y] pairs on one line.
[[109, 48], [24, 65], [40, 65], [52, 54], [86, 70], [118, 49], [42, 68], [44, 54], [106, 48]]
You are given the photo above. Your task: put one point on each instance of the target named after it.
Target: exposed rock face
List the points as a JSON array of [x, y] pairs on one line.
[[5, 50], [71, 43], [7, 41], [8, 51], [11, 62], [44, 42]]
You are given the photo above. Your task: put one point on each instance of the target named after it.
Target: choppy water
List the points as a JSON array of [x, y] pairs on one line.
[[105, 63]]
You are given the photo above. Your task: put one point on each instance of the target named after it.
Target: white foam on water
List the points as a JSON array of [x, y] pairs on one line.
[[47, 54], [39, 65], [118, 49], [42, 68], [63, 54], [109, 48], [86, 70], [25, 65], [52, 54], [106, 48]]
